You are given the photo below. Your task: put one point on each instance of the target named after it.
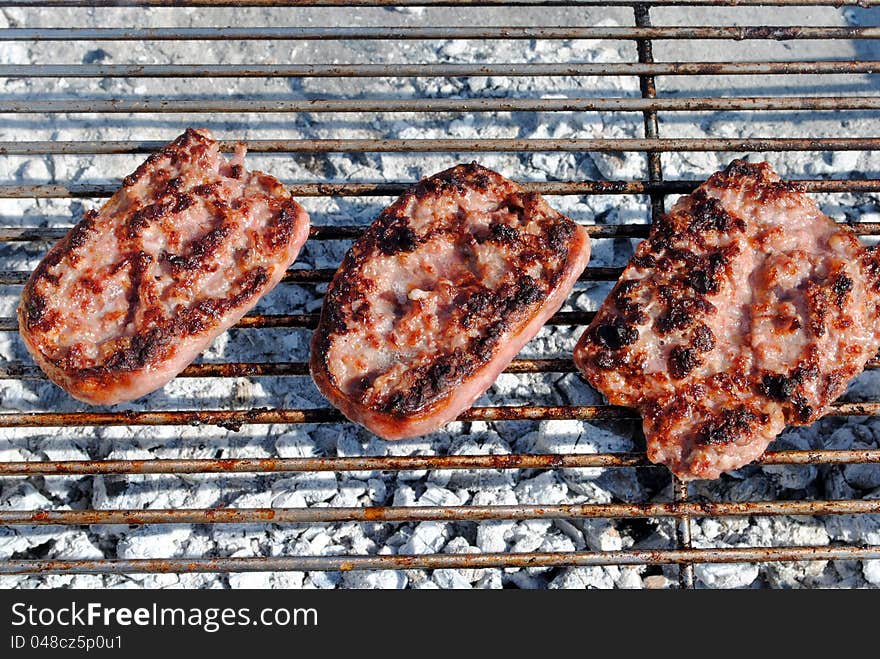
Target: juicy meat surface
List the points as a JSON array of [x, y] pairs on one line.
[[136, 290], [745, 310], [437, 297]]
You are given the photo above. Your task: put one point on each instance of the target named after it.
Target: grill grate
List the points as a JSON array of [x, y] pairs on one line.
[[681, 509]]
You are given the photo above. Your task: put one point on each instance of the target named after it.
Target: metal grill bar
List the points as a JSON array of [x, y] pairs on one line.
[[648, 88], [400, 463], [234, 419], [397, 514], [48, 147], [353, 189], [681, 494], [737, 33], [649, 94], [436, 561], [430, 3], [404, 70], [164, 106]]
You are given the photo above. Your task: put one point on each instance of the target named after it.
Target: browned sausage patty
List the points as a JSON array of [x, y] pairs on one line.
[[745, 309], [437, 297], [139, 288]]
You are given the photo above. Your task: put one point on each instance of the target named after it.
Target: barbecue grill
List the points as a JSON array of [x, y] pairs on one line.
[[653, 188]]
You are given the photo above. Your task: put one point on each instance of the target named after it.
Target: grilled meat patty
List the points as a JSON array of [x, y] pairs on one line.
[[139, 288], [437, 297], [745, 310]]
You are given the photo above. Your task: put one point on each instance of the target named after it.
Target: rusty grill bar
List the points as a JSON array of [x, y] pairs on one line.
[[435, 561], [234, 419], [431, 70], [681, 510], [495, 145], [400, 463], [650, 105], [432, 33], [430, 3]]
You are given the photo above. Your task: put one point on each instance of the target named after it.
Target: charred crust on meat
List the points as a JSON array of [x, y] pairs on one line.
[[144, 216], [158, 340], [870, 262], [395, 237], [682, 361], [477, 305], [209, 190], [777, 387], [623, 295], [503, 233], [614, 335], [784, 388], [819, 301], [681, 312], [455, 179], [182, 202], [559, 235], [199, 251], [765, 184], [524, 293], [35, 310], [744, 169], [841, 288], [607, 359], [80, 233], [803, 412], [707, 275], [729, 426], [282, 227], [702, 338], [644, 261], [429, 381], [171, 151], [707, 214]]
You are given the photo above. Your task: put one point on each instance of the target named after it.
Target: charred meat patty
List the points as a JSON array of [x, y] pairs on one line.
[[746, 309], [437, 297], [139, 288]]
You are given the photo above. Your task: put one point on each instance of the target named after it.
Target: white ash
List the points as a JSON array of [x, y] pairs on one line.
[[417, 487]]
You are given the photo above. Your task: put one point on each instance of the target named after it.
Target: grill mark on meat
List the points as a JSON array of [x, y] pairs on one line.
[[707, 214], [504, 233], [614, 335], [200, 251], [396, 237], [841, 288], [751, 310], [446, 279], [703, 339], [681, 312], [164, 266], [729, 426], [682, 361], [431, 381]]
